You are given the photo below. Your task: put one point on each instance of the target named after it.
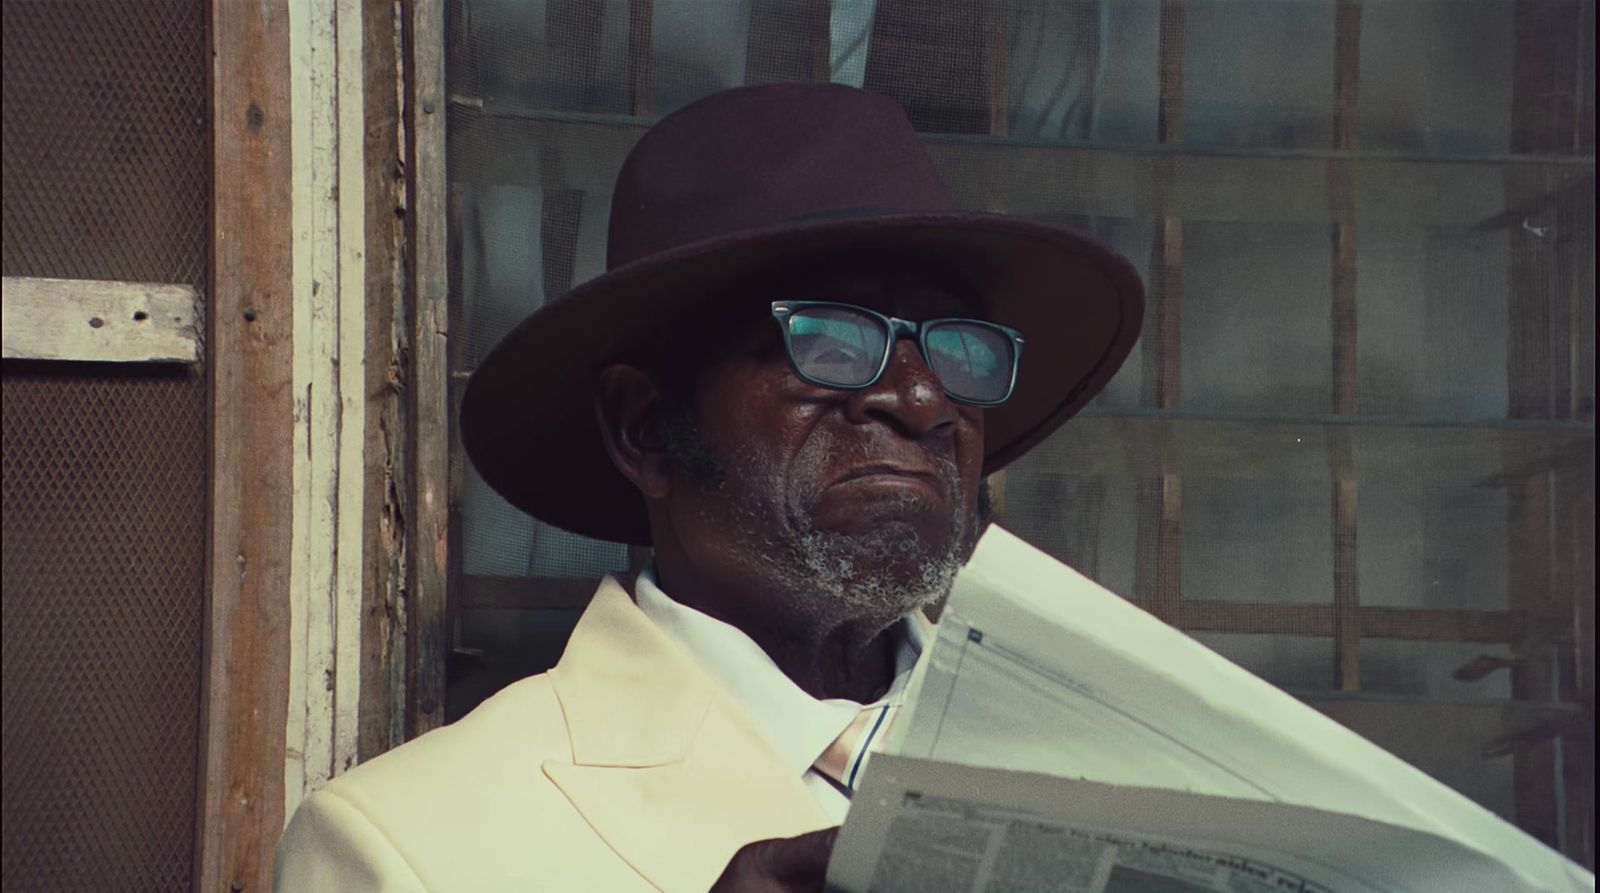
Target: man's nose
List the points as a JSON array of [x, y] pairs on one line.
[[908, 396]]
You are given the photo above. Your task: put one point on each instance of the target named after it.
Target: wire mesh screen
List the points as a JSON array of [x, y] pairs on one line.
[[106, 152], [1367, 367]]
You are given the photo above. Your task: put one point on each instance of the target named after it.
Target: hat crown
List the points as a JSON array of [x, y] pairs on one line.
[[754, 157]]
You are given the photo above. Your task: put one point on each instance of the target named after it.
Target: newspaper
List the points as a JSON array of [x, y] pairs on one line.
[[1052, 725]]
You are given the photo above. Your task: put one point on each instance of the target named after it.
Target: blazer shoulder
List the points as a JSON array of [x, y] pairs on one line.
[[521, 724], [456, 805], [331, 845]]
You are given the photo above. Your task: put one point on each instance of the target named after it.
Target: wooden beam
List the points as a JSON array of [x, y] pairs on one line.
[[1346, 596], [456, 526], [1345, 372], [1164, 353], [330, 298], [1158, 576], [821, 40], [98, 321], [251, 341], [997, 56], [1576, 502], [526, 593], [1317, 621], [1173, 23], [382, 707], [427, 540], [562, 150], [1544, 69], [641, 15]]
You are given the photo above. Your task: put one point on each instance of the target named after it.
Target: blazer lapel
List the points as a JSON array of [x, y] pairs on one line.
[[666, 768]]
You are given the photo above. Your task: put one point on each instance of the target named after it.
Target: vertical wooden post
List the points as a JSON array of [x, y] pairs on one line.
[[1577, 491], [997, 64], [1346, 100], [821, 40], [1158, 576], [428, 535], [997, 55], [459, 368], [641, 13], [1169, 72], [382, 707], [251, 318], [1544, 69]]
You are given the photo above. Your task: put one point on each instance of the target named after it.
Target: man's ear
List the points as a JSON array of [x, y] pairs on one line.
[[628, 408]]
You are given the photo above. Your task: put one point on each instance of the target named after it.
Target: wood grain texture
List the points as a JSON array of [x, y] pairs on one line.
[[1543, 67], [250, 325], [1317, 620], [428, 534], [821, 40], [1158, 578], [1346, 371], [382, 709], [641, 16], [96, 320]]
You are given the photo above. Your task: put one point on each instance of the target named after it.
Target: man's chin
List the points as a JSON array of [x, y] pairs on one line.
[[886, 570], [887, 521]]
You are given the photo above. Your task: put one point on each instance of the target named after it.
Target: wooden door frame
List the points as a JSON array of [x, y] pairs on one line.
[[325, 331]]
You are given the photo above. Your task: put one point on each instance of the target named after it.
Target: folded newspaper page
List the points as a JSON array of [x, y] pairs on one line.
[[917, 826], [1039, 672]]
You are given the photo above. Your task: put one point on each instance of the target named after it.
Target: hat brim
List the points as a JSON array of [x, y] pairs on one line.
[[528, 417]]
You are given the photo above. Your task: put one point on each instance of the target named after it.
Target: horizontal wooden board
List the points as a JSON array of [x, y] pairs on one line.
[[98, 320], [494, 144]]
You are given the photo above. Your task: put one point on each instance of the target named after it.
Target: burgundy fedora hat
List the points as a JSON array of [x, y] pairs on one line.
[[743, 180]]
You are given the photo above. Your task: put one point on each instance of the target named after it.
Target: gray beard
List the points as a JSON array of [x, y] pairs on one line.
[[829, 576], [878, 576]]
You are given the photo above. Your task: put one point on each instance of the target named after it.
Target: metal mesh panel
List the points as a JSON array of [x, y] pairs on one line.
[[106, 154], [1395, 293]]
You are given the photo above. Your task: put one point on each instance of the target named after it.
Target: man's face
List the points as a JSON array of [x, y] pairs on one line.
[[856, 504]]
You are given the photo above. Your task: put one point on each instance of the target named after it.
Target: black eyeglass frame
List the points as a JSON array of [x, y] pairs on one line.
[[897, 328]]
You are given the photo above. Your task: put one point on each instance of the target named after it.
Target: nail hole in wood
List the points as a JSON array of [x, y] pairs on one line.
[[96, 322], [140, 316]]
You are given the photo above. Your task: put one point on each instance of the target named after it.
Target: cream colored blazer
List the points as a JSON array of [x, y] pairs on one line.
[[624, 768]]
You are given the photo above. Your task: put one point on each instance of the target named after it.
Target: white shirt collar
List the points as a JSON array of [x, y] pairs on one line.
[[799, 725]]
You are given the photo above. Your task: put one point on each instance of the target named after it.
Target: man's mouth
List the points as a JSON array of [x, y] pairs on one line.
[[889, 473]]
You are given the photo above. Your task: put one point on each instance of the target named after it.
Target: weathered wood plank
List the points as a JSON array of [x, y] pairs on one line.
[[1543, 68], [1317, 620], [97, 320], [525, 593], [1345, 372], [330, 469], [251, 340], [821, 40], [1158, 577], [641, 15], [313, 593], [382, 707], [559, 150], [428, 536]]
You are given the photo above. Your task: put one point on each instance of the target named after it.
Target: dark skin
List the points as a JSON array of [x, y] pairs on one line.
[[898, 460]]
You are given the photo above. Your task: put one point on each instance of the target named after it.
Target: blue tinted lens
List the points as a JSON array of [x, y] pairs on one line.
[[837, 345], [973, 361]]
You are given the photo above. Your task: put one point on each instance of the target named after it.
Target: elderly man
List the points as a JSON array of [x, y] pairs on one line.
[[790, 382]]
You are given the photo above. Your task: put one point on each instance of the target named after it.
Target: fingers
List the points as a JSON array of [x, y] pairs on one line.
[[802, 858], [780, 865]]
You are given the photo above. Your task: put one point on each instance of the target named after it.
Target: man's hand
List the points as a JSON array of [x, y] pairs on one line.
[[780, 865]]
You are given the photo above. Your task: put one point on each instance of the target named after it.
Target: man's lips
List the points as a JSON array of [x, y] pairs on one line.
[[889, 473]]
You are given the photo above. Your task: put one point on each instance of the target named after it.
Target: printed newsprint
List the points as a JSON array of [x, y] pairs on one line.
[[1055, 737]]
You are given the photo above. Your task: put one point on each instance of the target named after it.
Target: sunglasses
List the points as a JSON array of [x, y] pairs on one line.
[[847, 347]]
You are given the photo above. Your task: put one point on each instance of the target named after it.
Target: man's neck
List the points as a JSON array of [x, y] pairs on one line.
[[852, 658]]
